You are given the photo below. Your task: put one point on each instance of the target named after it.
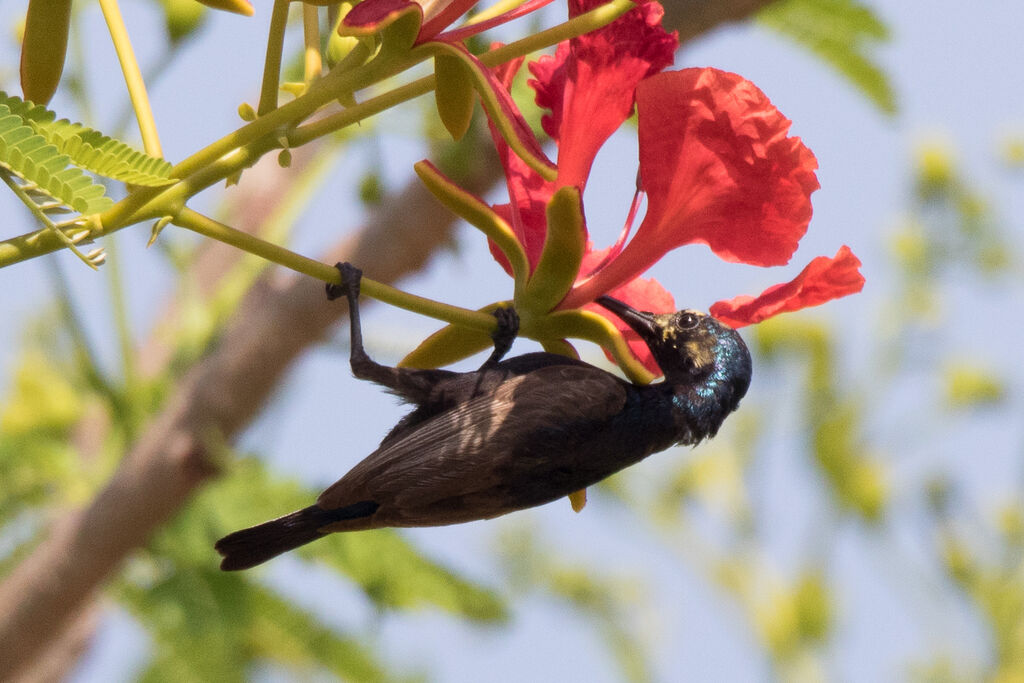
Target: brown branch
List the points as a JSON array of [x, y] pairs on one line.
[[64, 649], [278, 320]]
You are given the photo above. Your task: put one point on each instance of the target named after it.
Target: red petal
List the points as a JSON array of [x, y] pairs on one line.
[[370, 13], [645, 295], [460, 34], [549, 84], [530, 194], [589, 84], [718, 169], [438, 15], [822, 280]]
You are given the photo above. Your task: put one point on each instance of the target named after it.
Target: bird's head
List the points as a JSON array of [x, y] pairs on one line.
[[692, 348]]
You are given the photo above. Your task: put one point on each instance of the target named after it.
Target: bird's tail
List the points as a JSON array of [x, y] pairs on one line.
[[255, 545]]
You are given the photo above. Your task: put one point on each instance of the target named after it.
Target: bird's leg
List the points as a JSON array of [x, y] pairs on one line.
[[363, 366], [503, 335], [412, 385]]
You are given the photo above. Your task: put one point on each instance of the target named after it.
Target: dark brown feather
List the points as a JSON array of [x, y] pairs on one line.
[[462, 459]]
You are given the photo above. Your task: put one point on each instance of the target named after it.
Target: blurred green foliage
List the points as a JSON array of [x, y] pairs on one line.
[[970, 386], [1012, 150], [66, 422], [204, 624], [833, 414], [609, 603], [841, 33]]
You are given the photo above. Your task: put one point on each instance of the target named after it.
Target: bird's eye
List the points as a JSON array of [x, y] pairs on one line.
[[687, 321]]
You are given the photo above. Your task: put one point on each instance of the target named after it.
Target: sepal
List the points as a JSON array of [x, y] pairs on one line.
[[501, 110], [595, 328], [478, 214], [563, 252], [396, 23], [450, 344], [453, 94], [44, 47], [235, 6]]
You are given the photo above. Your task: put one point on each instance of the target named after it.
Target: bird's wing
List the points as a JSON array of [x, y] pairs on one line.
[[470, 447], [450, 389]]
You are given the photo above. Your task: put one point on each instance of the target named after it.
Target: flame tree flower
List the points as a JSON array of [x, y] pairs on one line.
[[716, 166]]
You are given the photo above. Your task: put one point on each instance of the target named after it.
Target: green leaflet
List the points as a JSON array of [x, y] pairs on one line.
[[88, 148], [841, 32], [30, 157]]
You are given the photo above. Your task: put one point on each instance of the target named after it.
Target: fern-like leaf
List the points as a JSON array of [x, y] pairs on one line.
[[840, 32], [90, 149], [30, 157]]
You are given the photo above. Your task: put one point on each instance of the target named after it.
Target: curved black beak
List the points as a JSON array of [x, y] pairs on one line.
[[642, 322]]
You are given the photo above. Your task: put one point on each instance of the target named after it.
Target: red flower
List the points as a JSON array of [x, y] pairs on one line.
[[718, 169], [716, 164], [589, 84]]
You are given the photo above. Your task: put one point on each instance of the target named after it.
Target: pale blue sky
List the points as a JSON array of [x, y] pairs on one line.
[[956, 72]]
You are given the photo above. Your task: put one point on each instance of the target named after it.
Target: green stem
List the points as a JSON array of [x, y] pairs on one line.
[[204, 225], [272, 63], [359, 112], [132, 76], [494, 10], [278, 224], [312, 63], [334, 85]]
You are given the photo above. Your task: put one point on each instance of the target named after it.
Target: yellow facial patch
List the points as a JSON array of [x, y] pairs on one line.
[[700, 354], [668, 330]]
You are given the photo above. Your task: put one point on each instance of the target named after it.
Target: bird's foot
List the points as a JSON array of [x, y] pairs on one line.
[[508, 326], [505, 333], [350, 278]]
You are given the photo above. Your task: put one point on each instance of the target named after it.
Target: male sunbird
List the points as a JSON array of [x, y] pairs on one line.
[[516, 433]]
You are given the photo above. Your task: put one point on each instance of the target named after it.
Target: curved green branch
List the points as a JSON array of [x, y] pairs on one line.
[[272, 62], [132, 77], [204, 225]]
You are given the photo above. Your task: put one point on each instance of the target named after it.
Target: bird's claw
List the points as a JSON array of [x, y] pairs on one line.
[[508, 326], [504, 334], [350, 279]]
